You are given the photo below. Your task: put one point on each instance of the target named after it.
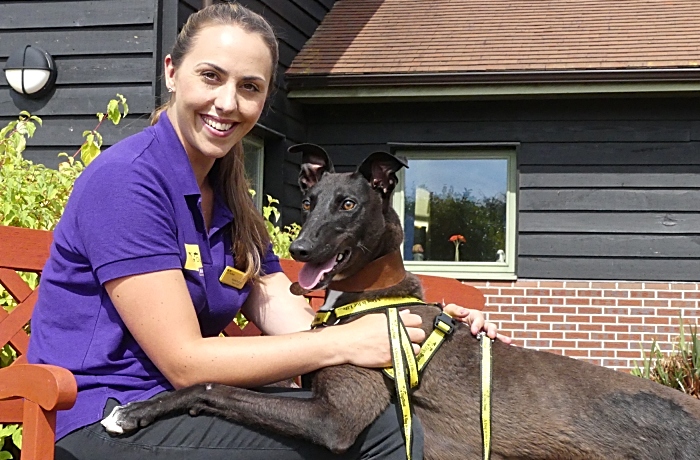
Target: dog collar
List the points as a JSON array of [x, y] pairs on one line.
[[381, 273]]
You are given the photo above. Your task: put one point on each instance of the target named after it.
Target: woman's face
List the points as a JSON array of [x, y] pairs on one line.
[[219, 90]]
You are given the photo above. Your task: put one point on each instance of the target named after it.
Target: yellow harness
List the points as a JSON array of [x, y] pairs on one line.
[[405, 363]]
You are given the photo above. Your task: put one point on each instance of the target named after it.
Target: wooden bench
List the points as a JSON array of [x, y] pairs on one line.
[[31, 394]]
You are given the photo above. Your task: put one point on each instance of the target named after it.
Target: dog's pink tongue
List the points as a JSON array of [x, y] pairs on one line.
[[310, 274]]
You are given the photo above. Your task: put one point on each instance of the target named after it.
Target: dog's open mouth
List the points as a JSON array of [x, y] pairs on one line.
[[318, 275]]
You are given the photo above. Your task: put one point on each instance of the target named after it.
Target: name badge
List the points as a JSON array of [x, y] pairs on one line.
[[194, 258], [233, 277]]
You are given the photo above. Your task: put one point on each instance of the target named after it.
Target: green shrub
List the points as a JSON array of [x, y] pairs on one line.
[[281, 238], [680, 369]]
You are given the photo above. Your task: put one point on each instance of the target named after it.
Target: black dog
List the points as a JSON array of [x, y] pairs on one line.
[[544, 406]]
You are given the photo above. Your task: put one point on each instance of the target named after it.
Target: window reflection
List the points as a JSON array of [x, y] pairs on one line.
[[455, 210]]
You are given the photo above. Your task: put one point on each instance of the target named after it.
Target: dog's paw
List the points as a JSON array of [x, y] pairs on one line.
[[124, 419], [112, 422]]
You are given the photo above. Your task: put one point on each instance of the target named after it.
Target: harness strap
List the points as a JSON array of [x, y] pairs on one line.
[[324, 318], [444, 326], [400, 359], [405, 364]]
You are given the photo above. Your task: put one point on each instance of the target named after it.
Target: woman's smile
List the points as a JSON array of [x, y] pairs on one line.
[[217, 126]]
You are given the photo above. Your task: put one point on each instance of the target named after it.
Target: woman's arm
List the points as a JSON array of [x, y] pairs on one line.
[[274, 309], [157, 310]]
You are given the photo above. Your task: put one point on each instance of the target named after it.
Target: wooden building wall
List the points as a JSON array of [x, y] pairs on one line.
[[101, 48], [609, 188]]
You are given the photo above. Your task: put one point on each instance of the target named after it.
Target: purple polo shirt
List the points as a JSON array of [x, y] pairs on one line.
[[132, 211]]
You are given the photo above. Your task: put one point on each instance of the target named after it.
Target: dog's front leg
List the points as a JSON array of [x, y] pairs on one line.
[[344, 401]]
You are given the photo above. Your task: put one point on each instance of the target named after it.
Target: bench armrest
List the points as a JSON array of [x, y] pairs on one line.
[[51, 387]]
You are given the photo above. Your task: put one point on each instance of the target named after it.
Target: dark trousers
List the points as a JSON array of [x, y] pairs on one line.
[[212, 438]]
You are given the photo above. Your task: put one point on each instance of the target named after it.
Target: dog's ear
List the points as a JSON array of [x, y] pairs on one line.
[[380, 171], [314, 163]]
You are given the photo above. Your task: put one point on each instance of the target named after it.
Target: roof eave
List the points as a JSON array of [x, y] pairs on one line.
[[393, 86]]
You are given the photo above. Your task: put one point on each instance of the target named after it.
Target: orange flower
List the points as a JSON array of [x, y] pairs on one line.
[[457, 238]]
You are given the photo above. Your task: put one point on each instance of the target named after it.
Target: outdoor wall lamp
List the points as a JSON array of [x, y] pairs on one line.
[[30, 71]]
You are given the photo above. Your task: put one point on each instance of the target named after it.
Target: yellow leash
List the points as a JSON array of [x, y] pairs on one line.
[[486, 394]]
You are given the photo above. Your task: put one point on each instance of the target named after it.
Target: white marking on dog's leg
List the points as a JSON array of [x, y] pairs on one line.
[[111, 422]]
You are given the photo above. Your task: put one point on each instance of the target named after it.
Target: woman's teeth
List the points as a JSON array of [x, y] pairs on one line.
[[218, 126]]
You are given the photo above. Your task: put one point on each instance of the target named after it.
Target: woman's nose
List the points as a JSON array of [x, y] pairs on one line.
[[227, 99]]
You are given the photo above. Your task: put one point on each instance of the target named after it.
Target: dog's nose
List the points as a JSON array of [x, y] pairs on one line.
[[301, 250]]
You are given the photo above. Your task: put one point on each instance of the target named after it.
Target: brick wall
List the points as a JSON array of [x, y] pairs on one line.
[[600, 322]]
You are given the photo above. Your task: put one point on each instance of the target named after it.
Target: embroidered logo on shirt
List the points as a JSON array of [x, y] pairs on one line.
[[194, 258], [233, 277]]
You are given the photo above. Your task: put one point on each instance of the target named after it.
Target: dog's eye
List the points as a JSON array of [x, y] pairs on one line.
[[306, 205], [348, 205]]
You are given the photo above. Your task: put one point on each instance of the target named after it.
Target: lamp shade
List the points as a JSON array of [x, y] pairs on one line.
[[30, 71]]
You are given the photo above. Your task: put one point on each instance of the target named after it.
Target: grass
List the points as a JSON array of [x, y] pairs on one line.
[[680, 369]]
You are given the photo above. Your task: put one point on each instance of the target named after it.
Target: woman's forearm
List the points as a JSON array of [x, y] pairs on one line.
[[255, 361]]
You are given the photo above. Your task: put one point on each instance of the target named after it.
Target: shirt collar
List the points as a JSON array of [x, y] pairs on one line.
[[173, 154], [221, 216]]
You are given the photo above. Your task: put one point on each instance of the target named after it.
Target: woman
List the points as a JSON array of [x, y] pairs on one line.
[[130, 299]]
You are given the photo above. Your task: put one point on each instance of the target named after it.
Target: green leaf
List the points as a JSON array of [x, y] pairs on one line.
[[17, 437], [10, 126], [88, 152], [31, 128], [21, 128], [113, 112], [125, 106], [4, 455]]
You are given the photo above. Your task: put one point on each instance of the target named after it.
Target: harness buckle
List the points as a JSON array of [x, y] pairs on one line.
[[445, 323], [323, 318]]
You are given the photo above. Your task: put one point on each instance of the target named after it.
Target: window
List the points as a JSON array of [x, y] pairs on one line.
[[253, 154], [458, 210]]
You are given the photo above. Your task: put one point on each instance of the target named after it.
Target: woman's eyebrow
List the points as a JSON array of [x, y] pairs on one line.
[[214, 66], [222, 71]]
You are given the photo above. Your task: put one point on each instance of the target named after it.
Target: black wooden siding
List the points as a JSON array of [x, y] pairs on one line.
[[101, 48], [608, 188]]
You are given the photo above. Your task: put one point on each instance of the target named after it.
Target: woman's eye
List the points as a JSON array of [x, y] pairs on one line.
[[348, 205], [209, 76], [306, 205], [251, 87]]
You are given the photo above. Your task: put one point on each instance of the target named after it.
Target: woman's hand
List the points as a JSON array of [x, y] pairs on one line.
[[366, 340], [476, 321]]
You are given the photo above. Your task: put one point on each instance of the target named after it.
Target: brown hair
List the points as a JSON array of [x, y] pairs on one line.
[[248, 233]]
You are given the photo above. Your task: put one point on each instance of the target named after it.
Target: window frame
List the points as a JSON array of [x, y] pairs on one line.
[[465, 270], [258, 143]]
